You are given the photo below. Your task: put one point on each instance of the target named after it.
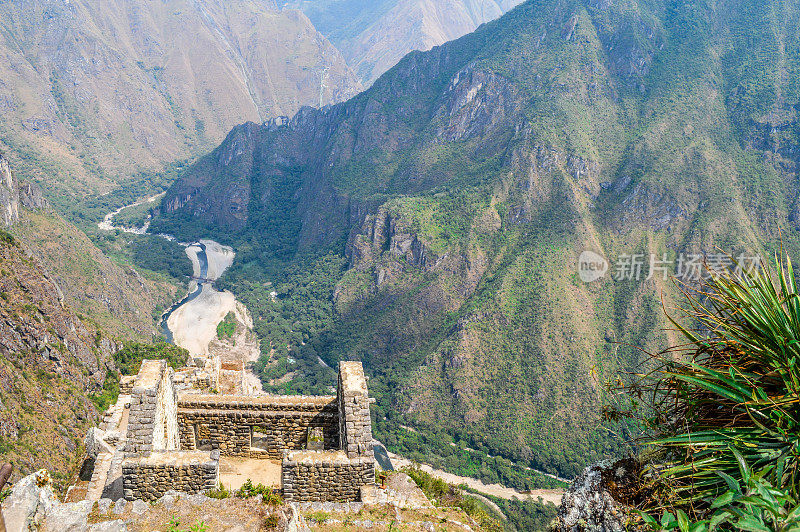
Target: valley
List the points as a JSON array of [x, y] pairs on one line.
[[430, 226], [498, 210], [193, 321]]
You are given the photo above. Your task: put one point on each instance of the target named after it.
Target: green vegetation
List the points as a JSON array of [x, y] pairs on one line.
[[174, 525], [221, 492], [248, 490], [288, 312], [439, 450], [92, 209], [319, 517], [446, 495], [129, 358], [721, 411], [108, 396], [267, 494], [7, 239], [159, 255], [751, 503], [528, 516], [227, 326]]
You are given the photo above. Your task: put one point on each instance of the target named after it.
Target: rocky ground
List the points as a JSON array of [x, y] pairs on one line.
[[401, 505]]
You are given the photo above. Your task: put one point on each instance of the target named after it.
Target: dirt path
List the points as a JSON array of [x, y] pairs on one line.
[[233, 472]]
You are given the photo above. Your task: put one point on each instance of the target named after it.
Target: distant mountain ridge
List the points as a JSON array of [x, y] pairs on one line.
[[464, 184], [374, 35], [92, 92]]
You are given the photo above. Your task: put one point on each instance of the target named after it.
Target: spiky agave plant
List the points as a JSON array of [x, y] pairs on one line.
[[732, 394]]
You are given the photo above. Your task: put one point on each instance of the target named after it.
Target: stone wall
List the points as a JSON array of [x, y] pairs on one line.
[[126, 384], [149, 477], [262, 427], [327, 476], [152, 420], [355, 425]]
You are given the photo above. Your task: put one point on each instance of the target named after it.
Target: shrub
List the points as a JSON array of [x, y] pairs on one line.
[[268, 494], [728, 398], [220, 493], [750, 504], [129, 358]]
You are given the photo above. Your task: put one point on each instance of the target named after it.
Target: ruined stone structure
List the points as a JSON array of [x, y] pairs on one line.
[[255, 427], [153, 462], [337, 475], [149, 477], [162, 435]]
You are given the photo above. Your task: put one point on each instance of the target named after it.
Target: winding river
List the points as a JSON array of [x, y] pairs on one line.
[[192, 321], [163, 322]]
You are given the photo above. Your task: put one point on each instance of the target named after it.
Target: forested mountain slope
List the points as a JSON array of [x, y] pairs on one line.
[[374, 35], [92, 92], [51, 363], [431, 225]]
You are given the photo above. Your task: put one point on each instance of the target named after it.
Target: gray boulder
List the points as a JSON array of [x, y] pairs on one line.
[[109, 526], [139, 507], [71, 517], [95, 443], [588, 506], [30, 501]]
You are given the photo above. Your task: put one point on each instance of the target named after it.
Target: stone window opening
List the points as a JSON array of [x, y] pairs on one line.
[[200, 443], [259, 439]]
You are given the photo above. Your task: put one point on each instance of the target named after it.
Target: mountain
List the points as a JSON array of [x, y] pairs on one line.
[[93, 92], [51, 364], [431, 225], [375, 35]]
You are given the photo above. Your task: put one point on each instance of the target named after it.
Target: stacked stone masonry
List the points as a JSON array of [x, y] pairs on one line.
[[149, 478], [174, 442], [355, 425], [325, 476], [152, 421], [255, 427]]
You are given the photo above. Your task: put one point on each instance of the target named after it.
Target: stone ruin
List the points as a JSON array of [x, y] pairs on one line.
[[158, 438]]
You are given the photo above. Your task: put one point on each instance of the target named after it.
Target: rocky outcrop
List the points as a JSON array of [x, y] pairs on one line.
[[9, 194], [29, 503], [591, 505], [31, 197]]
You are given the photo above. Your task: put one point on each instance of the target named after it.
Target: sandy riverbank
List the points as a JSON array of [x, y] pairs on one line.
[[496, 490], [219, 258], [194, 324]]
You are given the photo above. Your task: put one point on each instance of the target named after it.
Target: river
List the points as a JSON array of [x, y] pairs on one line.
[[192, 322]]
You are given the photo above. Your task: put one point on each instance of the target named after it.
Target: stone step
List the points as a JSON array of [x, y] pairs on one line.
[[102, 465]]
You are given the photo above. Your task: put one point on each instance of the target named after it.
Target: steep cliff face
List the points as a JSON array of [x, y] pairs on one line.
[[50, 363], [464, 184], [114, 296], [92, 92], [9, 194]]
